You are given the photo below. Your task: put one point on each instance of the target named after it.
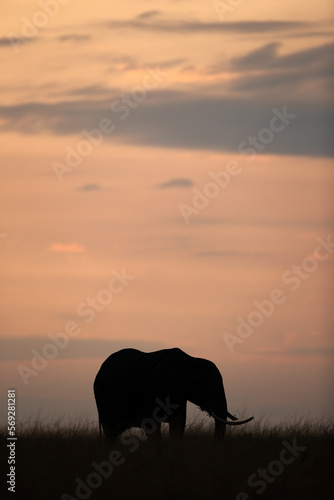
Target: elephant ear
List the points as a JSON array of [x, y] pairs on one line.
[[168, 378]]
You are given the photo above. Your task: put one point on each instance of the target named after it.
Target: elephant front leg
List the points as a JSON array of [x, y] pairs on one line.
[[177, 421], [110, 433]]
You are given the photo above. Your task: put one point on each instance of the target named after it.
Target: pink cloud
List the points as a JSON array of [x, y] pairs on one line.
[[66, 248]]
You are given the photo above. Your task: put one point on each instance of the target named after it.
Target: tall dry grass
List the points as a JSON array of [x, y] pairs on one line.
[[51, 458]]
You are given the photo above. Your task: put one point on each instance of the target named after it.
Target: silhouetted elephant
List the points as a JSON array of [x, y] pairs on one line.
[[138, 389]]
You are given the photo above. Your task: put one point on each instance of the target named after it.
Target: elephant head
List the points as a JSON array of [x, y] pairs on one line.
[[200, 382]]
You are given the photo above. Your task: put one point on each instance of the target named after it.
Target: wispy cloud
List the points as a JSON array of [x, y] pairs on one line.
[[258, 58], [209, 254], [218, 253], [175, 183], [90, 187], [149, 14], [300, 344], [180, 120], [268, 56], [96, 90], [273, 70], [193, 27], [74, 37], [299, 352], [8, 41]]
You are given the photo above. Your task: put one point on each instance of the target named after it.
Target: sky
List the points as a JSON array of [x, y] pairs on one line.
[[166, 181]]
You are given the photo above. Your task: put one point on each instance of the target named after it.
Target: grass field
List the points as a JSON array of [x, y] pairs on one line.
[[255, 461]]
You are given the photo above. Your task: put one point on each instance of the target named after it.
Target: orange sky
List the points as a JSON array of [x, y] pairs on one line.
[[176, 94]]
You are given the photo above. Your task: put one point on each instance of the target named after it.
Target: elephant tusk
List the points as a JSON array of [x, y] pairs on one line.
[[231, 417], [241, 422]]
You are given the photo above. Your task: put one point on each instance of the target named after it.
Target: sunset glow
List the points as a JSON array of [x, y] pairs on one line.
[[191, 150]]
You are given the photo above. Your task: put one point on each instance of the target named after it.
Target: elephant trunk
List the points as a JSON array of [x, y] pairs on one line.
[[220, 423], [220, 428]]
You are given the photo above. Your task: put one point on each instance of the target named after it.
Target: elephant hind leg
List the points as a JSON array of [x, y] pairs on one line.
[[155, 432], [177, 421]]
